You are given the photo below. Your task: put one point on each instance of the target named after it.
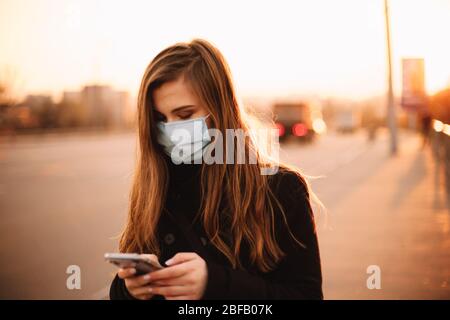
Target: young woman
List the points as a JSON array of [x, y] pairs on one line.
[[223, 230]]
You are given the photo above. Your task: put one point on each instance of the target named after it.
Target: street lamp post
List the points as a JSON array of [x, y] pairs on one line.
[[391, 116]]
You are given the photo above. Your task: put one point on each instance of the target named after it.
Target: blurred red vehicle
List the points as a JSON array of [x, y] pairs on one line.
[[294, 120]]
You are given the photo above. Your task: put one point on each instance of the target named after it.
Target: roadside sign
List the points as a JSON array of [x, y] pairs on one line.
[[414, 96]]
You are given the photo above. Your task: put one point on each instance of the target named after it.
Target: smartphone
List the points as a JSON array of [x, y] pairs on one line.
[[127, 260]]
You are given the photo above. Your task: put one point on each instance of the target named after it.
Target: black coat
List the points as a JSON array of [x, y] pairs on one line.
[[297, 276]]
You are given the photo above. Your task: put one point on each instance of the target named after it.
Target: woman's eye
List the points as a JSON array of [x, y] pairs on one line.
[[185, 116]]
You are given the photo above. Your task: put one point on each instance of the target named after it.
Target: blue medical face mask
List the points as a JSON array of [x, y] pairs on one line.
[[185, 140]]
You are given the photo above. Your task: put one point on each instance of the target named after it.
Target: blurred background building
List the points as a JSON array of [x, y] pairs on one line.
[[95, 106]]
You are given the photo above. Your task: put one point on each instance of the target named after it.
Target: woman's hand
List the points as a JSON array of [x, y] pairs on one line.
[[185, 277], [137, 286]]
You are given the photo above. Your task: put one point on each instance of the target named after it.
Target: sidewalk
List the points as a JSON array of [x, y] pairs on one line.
[[397, 219]]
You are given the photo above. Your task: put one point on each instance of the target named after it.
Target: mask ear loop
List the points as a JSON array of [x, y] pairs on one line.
[[204, 119], [207, 128]]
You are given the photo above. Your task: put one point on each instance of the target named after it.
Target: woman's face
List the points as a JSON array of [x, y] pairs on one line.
[[176, 101]]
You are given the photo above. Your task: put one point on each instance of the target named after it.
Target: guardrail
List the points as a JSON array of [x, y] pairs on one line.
[[440, 144]]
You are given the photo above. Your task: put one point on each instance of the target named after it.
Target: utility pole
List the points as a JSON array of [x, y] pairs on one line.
[[391, 116]]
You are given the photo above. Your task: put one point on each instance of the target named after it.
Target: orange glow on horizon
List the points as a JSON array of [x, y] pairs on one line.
[[326, 47]]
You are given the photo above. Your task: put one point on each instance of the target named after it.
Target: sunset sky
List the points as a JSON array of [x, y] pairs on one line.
[[329, 48]]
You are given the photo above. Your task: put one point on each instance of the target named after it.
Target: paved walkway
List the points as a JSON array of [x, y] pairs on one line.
[[397, 218]]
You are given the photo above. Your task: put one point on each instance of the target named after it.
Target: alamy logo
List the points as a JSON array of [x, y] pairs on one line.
[[74, 279], [374, 280], [229, 149]]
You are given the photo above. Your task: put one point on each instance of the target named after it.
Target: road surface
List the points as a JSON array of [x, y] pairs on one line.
[[63, 202]]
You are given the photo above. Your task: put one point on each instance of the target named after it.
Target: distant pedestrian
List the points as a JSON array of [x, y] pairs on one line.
[[425, 126]]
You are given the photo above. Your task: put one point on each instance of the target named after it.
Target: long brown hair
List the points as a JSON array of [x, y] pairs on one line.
[[246, 192]]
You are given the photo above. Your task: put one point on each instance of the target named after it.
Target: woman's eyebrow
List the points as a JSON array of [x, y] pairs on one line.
[[183, 107]]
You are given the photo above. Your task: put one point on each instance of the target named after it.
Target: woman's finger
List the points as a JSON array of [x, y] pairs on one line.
[[144, 296], [125, 273], [178, 281], [144, 290], [181, 257], [171, 290], [138, 281], [179, 298], [171, 272]]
